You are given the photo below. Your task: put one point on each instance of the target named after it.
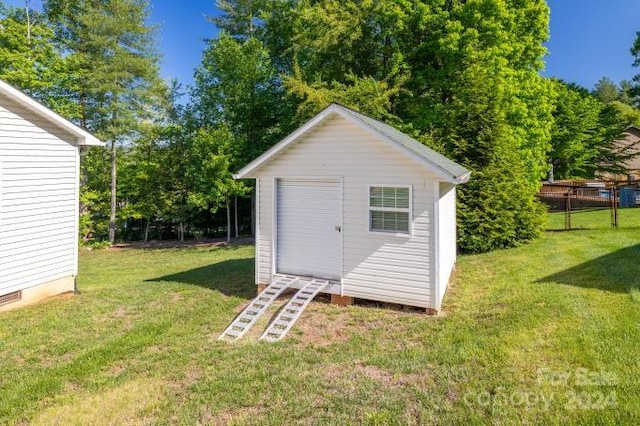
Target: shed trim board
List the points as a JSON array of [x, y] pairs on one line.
[[436, 253], [256, 270], [341, 236], [84, 138], [76, 213], [274, 227]]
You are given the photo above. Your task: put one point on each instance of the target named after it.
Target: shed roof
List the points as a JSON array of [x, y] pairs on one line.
[[84, 138], [435, 162], [633, 127]]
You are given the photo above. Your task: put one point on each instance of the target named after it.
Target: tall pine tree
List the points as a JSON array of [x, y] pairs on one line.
[[117, 71]]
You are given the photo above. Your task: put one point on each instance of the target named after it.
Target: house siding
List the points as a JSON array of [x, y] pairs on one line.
[[447, 248], [376, 266], [38, 200]]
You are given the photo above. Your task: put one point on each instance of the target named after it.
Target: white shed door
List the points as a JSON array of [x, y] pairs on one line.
[[309, 215]]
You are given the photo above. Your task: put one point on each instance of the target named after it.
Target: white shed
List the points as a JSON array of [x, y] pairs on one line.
[[353, 200], [39, 187]]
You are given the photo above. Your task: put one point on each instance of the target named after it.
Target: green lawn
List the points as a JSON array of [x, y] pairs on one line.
[[545, 333], [628, 218]]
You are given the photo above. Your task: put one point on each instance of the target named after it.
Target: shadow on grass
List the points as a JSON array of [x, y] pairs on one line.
[[233, 277], [617, 272]]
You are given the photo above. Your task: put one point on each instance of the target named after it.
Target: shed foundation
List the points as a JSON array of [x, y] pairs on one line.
[[336, 299], [43, 291]]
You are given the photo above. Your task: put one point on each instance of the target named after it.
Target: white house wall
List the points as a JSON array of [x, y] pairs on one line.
[[384, 267], [447, 237], [38, 200]]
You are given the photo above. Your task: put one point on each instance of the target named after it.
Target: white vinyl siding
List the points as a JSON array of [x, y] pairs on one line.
[[376, 265], [38, 200], [447, 245]]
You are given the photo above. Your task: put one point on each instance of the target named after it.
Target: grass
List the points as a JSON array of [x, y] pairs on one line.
[[547, 333], [628, 218]]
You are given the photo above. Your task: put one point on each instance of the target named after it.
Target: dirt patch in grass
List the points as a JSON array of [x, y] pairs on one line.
[[358, 370], [322, 326], [192, 375], [231, 417], [119, 313], [117, 369], [122, 317], [156, 349], [130, 403]]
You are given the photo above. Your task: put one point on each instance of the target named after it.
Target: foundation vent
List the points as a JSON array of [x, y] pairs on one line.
[[5, 299]]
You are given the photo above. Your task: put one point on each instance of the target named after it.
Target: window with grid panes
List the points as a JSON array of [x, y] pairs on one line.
[[389, 209]]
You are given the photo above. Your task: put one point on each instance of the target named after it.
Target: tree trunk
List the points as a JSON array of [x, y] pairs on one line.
[[181, 232], [26, 11], [114, 171], [229, 219], [235, 204], [28, 15], [146, 231]]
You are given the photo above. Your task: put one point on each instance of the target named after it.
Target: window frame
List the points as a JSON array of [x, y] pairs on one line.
[[408, 210]]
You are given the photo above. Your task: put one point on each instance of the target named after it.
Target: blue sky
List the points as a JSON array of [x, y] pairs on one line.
[[589, 38]]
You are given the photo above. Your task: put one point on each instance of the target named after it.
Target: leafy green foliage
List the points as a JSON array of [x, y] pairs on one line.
[[606, 90], [240, 18], [576, 121], [462, 76], [29, 60], [211, 155], [585, 132], [236, 85], [366, 94], [237, 112], [482, 96]]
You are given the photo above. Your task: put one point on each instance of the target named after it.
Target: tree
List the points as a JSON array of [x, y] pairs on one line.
[[116, 66], [635, 52], [606, 90], [629, 114], [237, 85], [209, 166], [626, 92], [459, 75], [29, 60], [576, 119], [237, 89], [239, 18], [585, 134], [141, 180]]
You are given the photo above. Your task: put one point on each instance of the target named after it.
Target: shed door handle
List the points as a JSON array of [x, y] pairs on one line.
[[338, 228]]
